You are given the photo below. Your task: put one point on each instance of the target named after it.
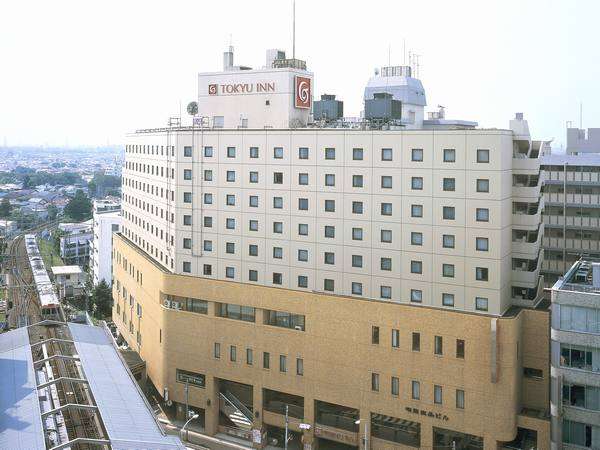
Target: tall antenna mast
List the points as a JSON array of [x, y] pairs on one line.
[[581, 115], [294, 29], [403, 51]]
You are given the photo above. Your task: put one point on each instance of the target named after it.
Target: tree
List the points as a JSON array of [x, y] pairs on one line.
[[79, 207], [5, 208], [52, 211], [101, 300]]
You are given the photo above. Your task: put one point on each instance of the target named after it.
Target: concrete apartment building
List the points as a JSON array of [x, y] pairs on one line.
[[572, 204], [75, 242], [575, 333], [107, 221], [257, 249]]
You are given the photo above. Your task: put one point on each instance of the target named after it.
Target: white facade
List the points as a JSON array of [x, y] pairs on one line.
[[69, 281], [105, 224], [190, 206]]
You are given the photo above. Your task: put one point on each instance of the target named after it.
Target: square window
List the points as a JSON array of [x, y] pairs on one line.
[[303, 204], [481, 303], [329, 179], [253, 275], [448, 213], [208, 175], [385, 264], [448, 299], [303, 229], [253, 152], [277, 252], [253, 250], [253, 225], [357, 154], [231, 152], [385, 292], [207, 269], [187, 197], [230, 200], [357, 234], [329, 231], [303, 179], [357, 207], [437, 394], [449, 155], [329, 258], [277, 177], [187, 151], [277, 278], [448, 270], [417, 154], [386, 182], [481, 273], [416, 295], [230, 247], [416, 238], [187, 219], [208, 198], [187, 266], [229, 272], [386, 236], [357, 181], [416, 267], [187, 174], [417, 183], [277, 202], [483, 155], [302, 281], [253, 177], [330, 153], [357, 261], [386, 154], [230, 224], [482, 215], [230, 176], [328, 285], [330, 205], [357, 288], [386, 209], [449, 184], [278, 152], [302, 255], [448, 241], [481, 244], [483, 185], [415, 390], [278, 227], [303, 153], [208, 152], [208, 221], [253, 201], [416, 210]]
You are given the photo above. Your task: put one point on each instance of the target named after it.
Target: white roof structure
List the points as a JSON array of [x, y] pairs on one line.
[[66, 270]]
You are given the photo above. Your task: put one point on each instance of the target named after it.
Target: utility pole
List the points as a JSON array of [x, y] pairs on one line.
[[187, 403], [287, 419]]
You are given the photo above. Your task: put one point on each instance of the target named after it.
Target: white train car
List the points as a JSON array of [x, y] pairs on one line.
[[49, 303]]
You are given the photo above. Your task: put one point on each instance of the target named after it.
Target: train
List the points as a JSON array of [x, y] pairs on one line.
[[49, 304]]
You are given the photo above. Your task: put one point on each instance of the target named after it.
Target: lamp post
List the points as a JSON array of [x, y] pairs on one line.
[[192, 417], [366, 437]]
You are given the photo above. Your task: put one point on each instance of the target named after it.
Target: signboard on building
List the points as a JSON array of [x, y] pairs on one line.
[[303, 95]]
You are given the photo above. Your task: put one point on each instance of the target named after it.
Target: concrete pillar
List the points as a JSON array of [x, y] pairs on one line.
[[364, 428], [308, 436], [211, 419], [426, 436], [257, 420]]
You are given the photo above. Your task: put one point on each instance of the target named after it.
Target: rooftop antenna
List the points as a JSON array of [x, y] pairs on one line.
[[403, 51], [581, 115], [389, 55], [293, 29]]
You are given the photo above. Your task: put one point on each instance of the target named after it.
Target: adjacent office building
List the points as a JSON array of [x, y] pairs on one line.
[[575, 335], [107, 221], [379, 278]]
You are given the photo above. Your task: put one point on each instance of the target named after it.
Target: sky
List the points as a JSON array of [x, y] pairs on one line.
[[79, 72]]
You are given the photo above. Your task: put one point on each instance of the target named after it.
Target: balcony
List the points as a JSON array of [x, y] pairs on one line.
[[527, 297], [554, 265], [526, 271], [526, 241], [526, 186], [580, 245], [527, 214]]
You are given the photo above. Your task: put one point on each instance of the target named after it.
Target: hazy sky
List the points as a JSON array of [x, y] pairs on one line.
[[83, 72]]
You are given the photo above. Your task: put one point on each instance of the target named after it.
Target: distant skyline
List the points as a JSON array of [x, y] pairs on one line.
[[83, 73]]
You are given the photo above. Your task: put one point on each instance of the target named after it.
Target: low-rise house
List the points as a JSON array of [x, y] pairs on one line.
[[69, 281]]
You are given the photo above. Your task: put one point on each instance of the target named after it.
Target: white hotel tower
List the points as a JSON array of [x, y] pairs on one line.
[[418, 227]]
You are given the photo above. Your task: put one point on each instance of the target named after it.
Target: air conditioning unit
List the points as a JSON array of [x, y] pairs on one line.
[[176, 305], [167, 303]]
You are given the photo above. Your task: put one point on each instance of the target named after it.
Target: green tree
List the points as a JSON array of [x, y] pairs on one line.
[[79, 207], [52, 211], [5, 208], [101, 300]]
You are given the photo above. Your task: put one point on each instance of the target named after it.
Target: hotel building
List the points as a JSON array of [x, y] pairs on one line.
[[379, 278]]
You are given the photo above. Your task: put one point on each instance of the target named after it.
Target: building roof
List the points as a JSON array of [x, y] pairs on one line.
[[583, 276], [65, 270], [127, 417], [591, 159]]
